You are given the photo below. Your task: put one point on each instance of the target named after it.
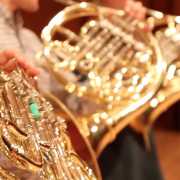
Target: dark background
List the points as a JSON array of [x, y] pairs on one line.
[[48, 8]]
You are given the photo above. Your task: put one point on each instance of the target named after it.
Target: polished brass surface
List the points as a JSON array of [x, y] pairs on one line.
[[31, 135], [167, 33], [77, 136], [122, 66]]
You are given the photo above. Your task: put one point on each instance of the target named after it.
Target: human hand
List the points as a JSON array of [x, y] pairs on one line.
[[5, 60], [133, 9], [136, 10]]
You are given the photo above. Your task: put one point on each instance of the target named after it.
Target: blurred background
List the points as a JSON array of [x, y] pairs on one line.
[[167, 127], [48, 8]]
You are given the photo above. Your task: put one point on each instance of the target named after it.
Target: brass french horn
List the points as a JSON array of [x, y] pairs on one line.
[[167, 34], [121, 68], [32, 137]]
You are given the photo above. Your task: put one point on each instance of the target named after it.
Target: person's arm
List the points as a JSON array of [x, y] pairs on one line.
[[5, 61]]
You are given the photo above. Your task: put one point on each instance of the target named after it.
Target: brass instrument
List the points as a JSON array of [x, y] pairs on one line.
[[32, 136], [167, 33], [116, 65]]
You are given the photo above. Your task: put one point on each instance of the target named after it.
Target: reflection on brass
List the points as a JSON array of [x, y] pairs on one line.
[[167, 33], [32, 136], [116, 65]]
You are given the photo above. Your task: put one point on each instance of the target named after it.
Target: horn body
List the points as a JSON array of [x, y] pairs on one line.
[[167, 34], [32, 137], [122, 66]]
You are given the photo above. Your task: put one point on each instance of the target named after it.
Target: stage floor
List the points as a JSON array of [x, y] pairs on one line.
[[168, 148]]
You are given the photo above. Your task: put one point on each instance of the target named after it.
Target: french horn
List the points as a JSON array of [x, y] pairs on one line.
[[32, 137], [167, 34], [116, 65]]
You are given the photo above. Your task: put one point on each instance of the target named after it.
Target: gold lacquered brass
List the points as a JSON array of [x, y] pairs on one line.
[[167, 33], [122, 67], [31, 136]]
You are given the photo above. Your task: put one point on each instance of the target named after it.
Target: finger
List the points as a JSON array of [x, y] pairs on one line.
[[137, 6], [132, 14], [137, 11], [27, 66], [34, 72], [7, 55], [31, 71], [128, 6], [141, 14], [129, 3], [10, 65], [127, 9], [132, 8]]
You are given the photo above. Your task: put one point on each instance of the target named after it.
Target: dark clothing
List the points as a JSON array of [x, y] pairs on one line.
[[127, 159]]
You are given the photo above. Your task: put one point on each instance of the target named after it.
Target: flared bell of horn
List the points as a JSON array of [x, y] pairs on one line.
[[167, 33], [114, 64], [32, 137]]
